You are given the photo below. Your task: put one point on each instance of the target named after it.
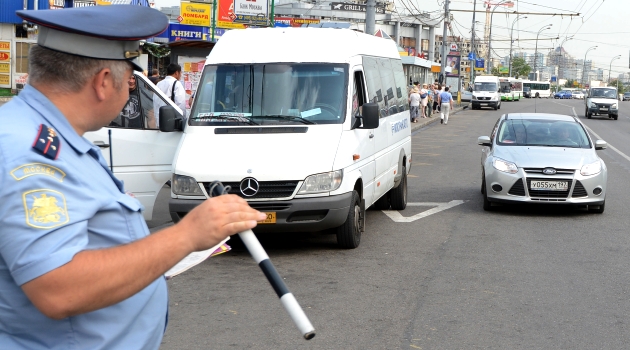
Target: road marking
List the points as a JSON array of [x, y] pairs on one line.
[[599, 137], [397, 217]]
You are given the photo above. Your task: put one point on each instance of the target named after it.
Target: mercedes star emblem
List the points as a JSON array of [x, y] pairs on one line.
[[249, 187]]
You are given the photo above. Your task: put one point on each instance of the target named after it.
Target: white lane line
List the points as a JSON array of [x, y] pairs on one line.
[[599, 137], [397, 217]]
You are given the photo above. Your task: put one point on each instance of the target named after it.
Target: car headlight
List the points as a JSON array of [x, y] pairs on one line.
[[614, 106], [324, 182], [592, 105], [591, 169], [185, 185], [504, 166]]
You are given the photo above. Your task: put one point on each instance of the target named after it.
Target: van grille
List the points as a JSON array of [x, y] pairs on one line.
[[267, 189]]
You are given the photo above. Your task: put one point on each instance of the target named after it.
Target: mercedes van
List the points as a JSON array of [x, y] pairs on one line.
[[486, 92], [309, 125]]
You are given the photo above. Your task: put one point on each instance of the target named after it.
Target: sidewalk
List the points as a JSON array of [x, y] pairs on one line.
[[422, 122]]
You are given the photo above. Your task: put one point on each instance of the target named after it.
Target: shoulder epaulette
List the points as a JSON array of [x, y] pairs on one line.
[[47, 142]]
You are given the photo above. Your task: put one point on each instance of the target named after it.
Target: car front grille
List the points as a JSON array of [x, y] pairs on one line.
[[517, 189], [267, 189], [579, 190], [483, 98], [540, 171], [546, 193]]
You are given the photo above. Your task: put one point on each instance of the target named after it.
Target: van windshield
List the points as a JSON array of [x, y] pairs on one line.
[[271, 94], [492, 87]]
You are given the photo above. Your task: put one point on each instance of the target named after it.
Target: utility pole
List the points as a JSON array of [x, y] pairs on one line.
[[444, 41], [370, 17], [472, 46]]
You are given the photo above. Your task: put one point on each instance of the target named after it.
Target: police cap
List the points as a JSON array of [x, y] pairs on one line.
[[101, 32]]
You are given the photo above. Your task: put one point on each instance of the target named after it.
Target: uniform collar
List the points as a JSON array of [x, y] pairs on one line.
[[40, 103]]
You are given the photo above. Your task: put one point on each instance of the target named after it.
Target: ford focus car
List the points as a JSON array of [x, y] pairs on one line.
[[542, 158], [563, 94]]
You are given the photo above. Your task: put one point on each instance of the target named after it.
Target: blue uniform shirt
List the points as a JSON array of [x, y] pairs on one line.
[[51, 208]]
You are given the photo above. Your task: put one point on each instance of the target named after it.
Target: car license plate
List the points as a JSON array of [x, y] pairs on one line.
[[271, 218], [550, 185], [483, 104], [603, 109]]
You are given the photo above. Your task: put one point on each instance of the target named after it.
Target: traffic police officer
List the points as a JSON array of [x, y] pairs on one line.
[[78, 268]]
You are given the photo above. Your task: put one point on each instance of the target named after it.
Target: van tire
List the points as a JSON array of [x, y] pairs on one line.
[[382, 203], [349, 234], [398, 195]]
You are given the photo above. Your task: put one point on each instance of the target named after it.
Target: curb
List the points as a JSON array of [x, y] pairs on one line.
[[5, 99]]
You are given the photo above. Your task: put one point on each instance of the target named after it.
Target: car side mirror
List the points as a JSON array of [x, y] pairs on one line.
[[601, 144], [484, 141], [369, 117], [170, 119]]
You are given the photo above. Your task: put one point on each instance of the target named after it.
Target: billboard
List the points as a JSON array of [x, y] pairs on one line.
[[254, 12], [195, 14], [452, 65], [226, 16]]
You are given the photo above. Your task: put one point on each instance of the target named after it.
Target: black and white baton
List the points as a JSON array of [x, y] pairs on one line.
[[262, 259]]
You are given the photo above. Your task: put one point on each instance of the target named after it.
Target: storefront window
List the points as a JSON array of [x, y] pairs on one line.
[[21, 57]]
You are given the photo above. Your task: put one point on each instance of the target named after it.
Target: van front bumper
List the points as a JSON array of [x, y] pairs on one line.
[[296, 215], [484, 103]]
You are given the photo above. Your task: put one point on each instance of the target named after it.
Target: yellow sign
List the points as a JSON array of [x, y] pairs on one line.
[[5, 45], [436, 69], [103, 2], [195, 14], [5, 79], [5, 68]]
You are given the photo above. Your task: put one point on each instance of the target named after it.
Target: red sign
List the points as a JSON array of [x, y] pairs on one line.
[[232, 16], [180, 19], [4, 56]]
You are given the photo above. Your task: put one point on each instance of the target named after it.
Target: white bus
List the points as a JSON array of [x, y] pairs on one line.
[[538, 89], [517, 89]]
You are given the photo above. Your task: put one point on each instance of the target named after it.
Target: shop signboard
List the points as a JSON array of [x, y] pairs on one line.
[[178, 32], [294, 22], [5, 68], [452, 65], [342, 6], [5, 46], [226, 16], [251, 12], [195, 14], [5, 57], [5, 80]]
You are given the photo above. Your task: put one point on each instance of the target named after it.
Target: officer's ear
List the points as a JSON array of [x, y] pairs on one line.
[[101, 82]]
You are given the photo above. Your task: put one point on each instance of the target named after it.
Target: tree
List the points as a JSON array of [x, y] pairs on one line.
[[520, 68], [569, 83], [621, 88]]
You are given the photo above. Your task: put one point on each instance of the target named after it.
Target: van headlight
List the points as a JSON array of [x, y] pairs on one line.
[[614, 106], [186, 186], [504, 166], [591, 169], [324, 182]]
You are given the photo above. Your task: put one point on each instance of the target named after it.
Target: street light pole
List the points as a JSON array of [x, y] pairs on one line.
[[584, 63], [490, 32], [561, 60], [610, 67], [536, 50], [511, 42]]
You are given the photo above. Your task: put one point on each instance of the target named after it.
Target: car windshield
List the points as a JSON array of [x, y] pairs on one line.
[[541, 132], [626, 94], [492, 87], [265, 94], [604, 93]]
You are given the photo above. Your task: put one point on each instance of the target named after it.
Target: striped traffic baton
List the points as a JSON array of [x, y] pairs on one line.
[[262, 259]]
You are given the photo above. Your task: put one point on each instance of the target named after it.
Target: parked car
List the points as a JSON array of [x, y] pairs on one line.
[[626, 96], [563, 94], [542, 158], [577, 95]]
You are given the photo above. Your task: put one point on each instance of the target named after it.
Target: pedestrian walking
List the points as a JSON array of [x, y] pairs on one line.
[[414, 104], [446, 102], [436, 98], [79, 267]]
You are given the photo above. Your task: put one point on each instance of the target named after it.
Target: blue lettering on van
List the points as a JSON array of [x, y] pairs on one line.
[[399, 126]]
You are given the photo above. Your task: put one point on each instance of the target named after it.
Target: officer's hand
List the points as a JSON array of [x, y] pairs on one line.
[[217, 218]]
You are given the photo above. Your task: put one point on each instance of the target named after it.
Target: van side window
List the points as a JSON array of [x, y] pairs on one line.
[[390, 105], [374, 83], [358, 95], [138, 111], [401, 87]]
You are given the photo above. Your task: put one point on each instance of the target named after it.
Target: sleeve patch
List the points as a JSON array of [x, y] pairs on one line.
[[45, 208], [26, 170]]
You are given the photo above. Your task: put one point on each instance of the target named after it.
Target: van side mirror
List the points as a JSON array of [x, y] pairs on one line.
[[170, 119], [370, 116]]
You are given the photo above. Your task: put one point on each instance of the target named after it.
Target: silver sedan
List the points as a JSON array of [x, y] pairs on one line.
[[542, 158]]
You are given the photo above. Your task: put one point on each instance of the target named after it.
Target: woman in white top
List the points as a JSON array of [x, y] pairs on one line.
[[414, 104]]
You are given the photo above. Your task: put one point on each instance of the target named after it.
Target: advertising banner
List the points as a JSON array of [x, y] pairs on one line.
[[5, 68], [294, 22], [226, 16], [5, 80], [178, 32], [195, 14], [504, 70], [452, 62], [253, 12], [5, 57], [480, 64], [5, 46]]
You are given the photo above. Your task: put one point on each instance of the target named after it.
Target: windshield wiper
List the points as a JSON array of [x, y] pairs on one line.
[[241, 119], [287, 117]]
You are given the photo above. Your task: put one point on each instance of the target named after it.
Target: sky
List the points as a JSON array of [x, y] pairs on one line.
[[600, 22]]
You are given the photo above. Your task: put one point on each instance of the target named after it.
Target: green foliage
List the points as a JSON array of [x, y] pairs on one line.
[[157, 51], [569, 83], [621, 88], [520, 68]]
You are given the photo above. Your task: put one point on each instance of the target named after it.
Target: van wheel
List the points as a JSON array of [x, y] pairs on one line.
[[349, 234], [398, 195], [587, 114]]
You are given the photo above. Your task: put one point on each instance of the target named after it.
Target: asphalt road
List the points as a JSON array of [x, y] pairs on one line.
[[460, 278]]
